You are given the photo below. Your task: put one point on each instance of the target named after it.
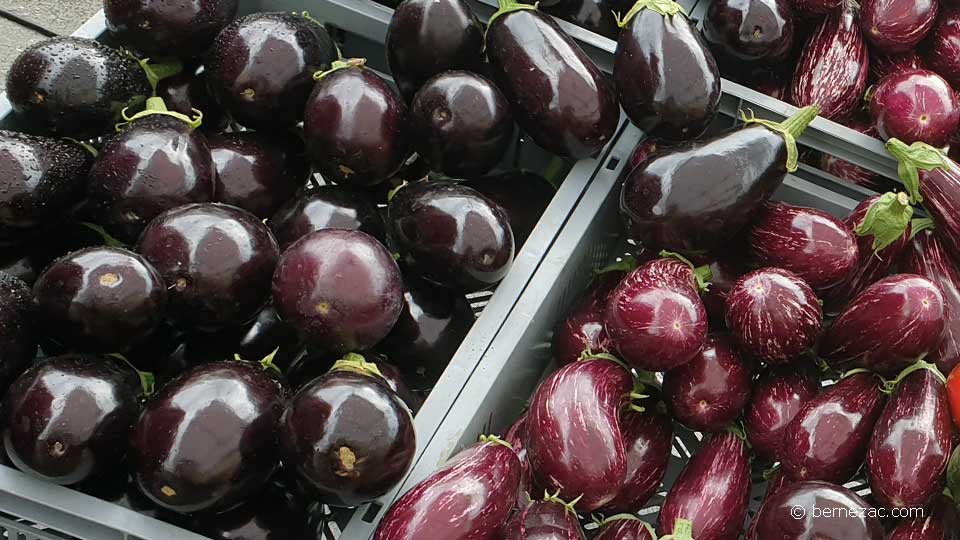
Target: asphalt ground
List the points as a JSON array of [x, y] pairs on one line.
[[36, 18]]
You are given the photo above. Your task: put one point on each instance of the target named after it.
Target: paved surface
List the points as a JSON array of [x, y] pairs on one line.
[[60, 16]]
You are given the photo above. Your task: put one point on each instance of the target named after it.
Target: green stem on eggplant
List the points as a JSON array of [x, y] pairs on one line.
[[921, 364], [504, 7], [587, 354], [341, 64], [157, 71], [493, 439], [155, 105], [790, 129], [768, 473], [108, 239], [886, 219], [919, 225], [912, 159], [666, 8], [625, 264], [682, 530], [356, 363], [701, 274], [85, 145], [148, 383], [555, 498]]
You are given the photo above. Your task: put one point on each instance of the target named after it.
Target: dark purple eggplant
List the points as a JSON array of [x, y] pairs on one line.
[[257, 170], [156, 164], [355, 126], [754, 31], [850, 172], [894, 26], [450, 234], [828, 438], [559, 96], [840, 515], [460, 124], [768, 80], [816, 7], [267, 335], [187, 91], [648, 439], [157, 27], [915, 105], [100, 299], [832, 71], [68, 418], [427, 37], [209, 439], [777, 397], [340, 289], [655, 317], [272, 515], [261, 67], [550, 518], [75, 87], [942, 48], [940, 522], [775, 484], [217, 261], [516, 437], [42, 180], [437, 508], [664, 201], [773, 315], [325, 207], [523, 195], [18, 330], [811, 243], [642, 152], [912, 440], [709, 499], [593, 15], [624, 527], [710, 391], [574, 439], [890, 325], [582, 328], [882, 64], [675, 103]]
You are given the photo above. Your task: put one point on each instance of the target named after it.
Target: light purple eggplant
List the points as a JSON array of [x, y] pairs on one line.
[[939, 522], [648, 437], [549, 519], [773, 315], [624, 527], [888, 327], [894, 26], [778, 395], [516, 437], [915, 105], [582, 329], [841, 515], [827, 440]]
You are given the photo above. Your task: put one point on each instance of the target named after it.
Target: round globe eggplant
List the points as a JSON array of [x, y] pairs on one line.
[[325, 207], [677, 103], [559, 96], [882, 64], [187, 91], [261, 67], [74, 87], [593, 15], [216, 260], [428, 37], [41, 182], [842, 515], [816, 7], [583, 329], [209, 439], [18, 331], [523, 195], [624, 527], [710, 391], [355, 126], [267, 335], [550, 518], [437, 508], [340, 289], [778, 396], [888, 327], [516, 437], [451, 235], [755, 31], [940, 522], [460, 124], [773, 315], [943, 46], [811, 243], [68, 418], [724, 273], [100, 299], [648, 439], [894, 26], [158, 27], [273, 515], [828, 439], [915, 105], [258, 171]]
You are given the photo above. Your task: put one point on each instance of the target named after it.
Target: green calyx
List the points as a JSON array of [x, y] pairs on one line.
[[85, 145], [701, 274], [156, 105], [682, 530], [394, 191], [886, 219], [588, 355], [911, 160], [108, 239], [919, 225], [493, 439], [148, 383], [768, 474], [921, 364], [266, 363], [736, 429], [555, 498], [157, 71], [306, 15], [356, 363], [667, 8], [507, 6], [341, 64], [790, 129], [626, 264]]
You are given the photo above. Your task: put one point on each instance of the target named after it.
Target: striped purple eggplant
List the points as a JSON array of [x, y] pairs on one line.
[[915, 105], [624, 527], [942, 50], [926, 255], [574, 439], [816, 7], [724, 273], [894, 26], [778, 395], [773, 315], [775, 484], [582, 329], [550, 518], [751, 31], [890, 325], [437, 507], [939, 522], [710, 497], [828, 439], [816, 511], [811, 243], [832, 71], [648, 437], [676, 103], [911, 443], [516, 437], [883, 64]]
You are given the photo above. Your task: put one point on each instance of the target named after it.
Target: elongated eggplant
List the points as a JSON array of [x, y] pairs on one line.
[[436, 507], [710, 497], [816, 7], [775, 484], [940, 522], [778, 396], [832, 71], [574, 438], [840, 515], [583, 327], [624, 527], [897, 25], [665, 202], [894, 322], [911, 443], [915, 105], [648, 437], [667, 80], [516, 437], [559, 96], [753, 31], [773, 315], [828, 438], [550, 518]]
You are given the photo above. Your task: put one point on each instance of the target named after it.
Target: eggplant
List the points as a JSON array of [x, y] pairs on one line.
[[911, 443], [754, 31], [778, 396], [655, 317], [888, 326], [817, 7], [559, 96], [850, 172], [648, 439], [624, 527], [710, 497], [775, 484], [953, 471], [437, 507], [583, 327], [841, 515], [516, 437], [667, 80], [811, 243], [915, 105], [596, 16], [724, 273], [665, 203], [940, 522], [266, 334], [828, 438], [164, 29], [272, 515], [895, 26], [642, 152], [426, 38], [574, 439], [832, 71], [523, 195], [187, 91], [550, 518], [773, 315], [771, 81], [942, 48], [325, 207], [883, 64]]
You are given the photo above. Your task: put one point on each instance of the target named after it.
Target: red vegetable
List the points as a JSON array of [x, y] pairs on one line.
[[582, 329], [778, 396], [648, 438], [915, 105], [894, 26], [939, 522], [942, 49], [953, 393], [780, 518]]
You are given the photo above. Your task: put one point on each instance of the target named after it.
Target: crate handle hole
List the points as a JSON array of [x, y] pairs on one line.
[[372, 511], [612, 164]]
